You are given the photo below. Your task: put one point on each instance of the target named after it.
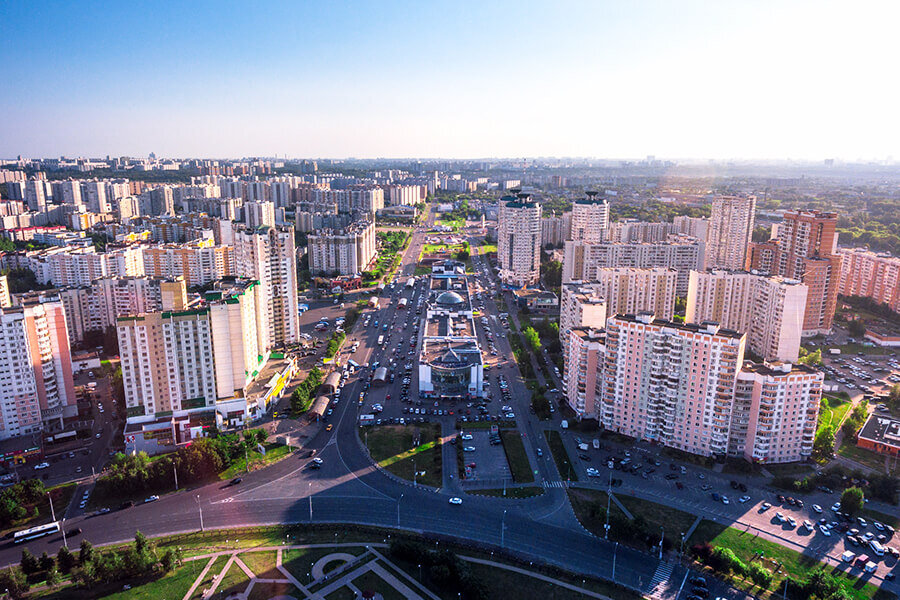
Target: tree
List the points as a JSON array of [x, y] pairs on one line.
[[760, 575], [29, 563], [66, 559], [852, 501], [86, 553], [823, 447], [14, 582], [46, 562], [857, 328]]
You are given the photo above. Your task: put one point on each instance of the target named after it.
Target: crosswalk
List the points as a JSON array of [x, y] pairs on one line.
[[554, 484], [660, 576]]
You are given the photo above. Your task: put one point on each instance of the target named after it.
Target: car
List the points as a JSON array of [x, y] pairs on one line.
[[455, 500], [862, 522], [40, 466], [792, 522], [152, 498], [102, 511], [744, 499], [765, 506], [592, 472], [825, 531], [877, 525], [469, 449], [698, 581], [817, 508], [836, 507], [98, 435], [329, 427], [467, 436], [235, 481], [126, 504], [725, 500], [780, 517], [74, 531]]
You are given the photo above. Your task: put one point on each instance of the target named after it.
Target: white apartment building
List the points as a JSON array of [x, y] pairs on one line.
[[556, 229], [629, 290], [776, 409], [268, 256], [519, 241], [403, 195], [693, 226], [590, 219], [70, 266], [194, 360], [581, 304], [730, 232], [347, 251], [583, 261], [259, 213], [36, 387], [769, 309]]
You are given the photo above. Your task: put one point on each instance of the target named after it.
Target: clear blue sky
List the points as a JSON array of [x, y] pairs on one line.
[[456, 79]]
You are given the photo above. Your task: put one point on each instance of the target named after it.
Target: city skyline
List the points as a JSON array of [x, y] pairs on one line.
[[676, 81]]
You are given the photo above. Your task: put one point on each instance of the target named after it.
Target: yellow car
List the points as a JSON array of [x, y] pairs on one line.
[[329, 427]]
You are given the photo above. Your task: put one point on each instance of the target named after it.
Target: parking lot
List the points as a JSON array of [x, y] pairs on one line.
[[489, 460]]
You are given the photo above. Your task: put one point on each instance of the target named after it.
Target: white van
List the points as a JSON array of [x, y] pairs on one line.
[[876, 547]]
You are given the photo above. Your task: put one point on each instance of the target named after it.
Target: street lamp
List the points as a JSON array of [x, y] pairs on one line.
[[200, 510], [398, 510], [662, 535], [503, 530]]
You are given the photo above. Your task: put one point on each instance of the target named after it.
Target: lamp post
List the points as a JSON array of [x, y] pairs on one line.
[[200, 510], [608, 497], [398, 510], [309, 495], [662, 535], [503, 530], [615, 552]]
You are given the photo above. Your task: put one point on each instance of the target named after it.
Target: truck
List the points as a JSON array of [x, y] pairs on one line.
[[410, 283], [834, 351], [366, 419], [564, 424], [583, 447], [373, 302], [402, 303], [380, 340]]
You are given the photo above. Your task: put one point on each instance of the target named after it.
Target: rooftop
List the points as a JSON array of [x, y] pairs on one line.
[[444, 325], [707, 327], [451, 354], [777, 368], [882, 430]]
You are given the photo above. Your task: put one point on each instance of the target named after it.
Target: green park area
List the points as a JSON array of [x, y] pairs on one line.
[[406, 449]]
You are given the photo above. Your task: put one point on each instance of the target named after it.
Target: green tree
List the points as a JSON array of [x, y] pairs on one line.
[[86, 553], [823, 446], [852, 501], [66, 559], [857, 328], [532, 337], [760, 575], [14, 582], [46, 562], [29, 563]]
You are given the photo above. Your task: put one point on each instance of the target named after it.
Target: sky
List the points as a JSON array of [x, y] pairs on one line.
[[389, 79]]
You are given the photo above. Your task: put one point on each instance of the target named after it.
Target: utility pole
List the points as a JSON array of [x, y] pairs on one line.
[[615, 551], [662, 535], [175, 472], [309, 494], [200, 509], [53, 516], [503, 531], [608, 498], [398, 510]]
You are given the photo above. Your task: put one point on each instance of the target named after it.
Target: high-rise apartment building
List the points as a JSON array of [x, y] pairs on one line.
[[36, 387], [630, 290], [697, 227], [585, 349], [583, 261], [175, 362], [730, 232], [519, 241], [268, 256], [670, 383], [776, 408], [871, 275], [806, 249], [590, 219], [198, 262], [581, 304], [347, 251], [556, 229], [768, 308], [258, 214]]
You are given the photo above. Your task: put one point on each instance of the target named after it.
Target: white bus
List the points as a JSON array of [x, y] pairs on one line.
[[36, 532]]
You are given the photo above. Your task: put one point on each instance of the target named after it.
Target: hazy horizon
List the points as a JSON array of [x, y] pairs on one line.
[[689, 81]]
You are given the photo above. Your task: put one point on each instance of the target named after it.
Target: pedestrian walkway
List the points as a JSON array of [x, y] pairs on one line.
[[660, 576], [621, 506], [554, 484]]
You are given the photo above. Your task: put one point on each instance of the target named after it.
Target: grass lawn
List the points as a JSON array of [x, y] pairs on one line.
[[393, 448], [674, 522], [234, 582], [299, 562], [266, 590], [516, 456], [499, 582], [856, 348], [422, 271], [371, 581], [485, 249], [205, 542], [513, 492], [746, 546], [261, 563], [174, 585], [868, 458], [343, 593], [560, 456], [832, 412], [274, 453]]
